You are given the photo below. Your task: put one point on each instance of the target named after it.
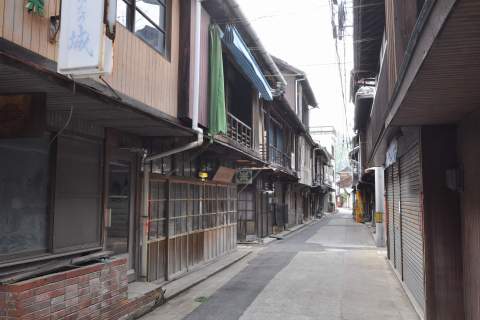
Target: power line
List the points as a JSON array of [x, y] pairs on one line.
[[235, 21], [340, 74]]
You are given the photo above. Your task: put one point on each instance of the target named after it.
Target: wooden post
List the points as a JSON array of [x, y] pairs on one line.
[[144, 221]]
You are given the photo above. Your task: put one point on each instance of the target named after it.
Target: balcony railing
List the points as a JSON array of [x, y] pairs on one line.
[[280, 158], [239, 131], [321, 179]]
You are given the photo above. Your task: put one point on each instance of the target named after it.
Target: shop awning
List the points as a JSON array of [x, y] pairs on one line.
[[242, 55]]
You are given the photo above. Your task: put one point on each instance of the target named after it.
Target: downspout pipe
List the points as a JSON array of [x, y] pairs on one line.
[[192, 145], [261, 49], [379, 216], [196, 92]]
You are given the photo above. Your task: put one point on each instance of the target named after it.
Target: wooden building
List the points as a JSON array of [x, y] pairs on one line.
[[423, 128], [108, 181], [323, 182], [281, 195]]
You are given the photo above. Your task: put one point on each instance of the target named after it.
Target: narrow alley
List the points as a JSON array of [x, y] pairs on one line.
[[328, 270]]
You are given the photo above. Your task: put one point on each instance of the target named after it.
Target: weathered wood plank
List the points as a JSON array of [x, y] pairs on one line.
[[35, 35], [51, 47], [43, 24], [27, 29], [18, 22], [2, 19], [8, 19]]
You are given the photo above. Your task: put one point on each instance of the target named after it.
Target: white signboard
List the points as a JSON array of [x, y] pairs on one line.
[[81, 45], [391, 156]]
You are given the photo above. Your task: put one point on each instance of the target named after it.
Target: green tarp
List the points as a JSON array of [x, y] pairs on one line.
[[217, 121]]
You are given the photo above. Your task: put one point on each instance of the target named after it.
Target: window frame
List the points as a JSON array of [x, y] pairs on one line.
[[132, 9], [51, 252], [20, 257]]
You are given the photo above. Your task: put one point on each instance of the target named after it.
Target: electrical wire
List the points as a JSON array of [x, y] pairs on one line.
[[237, 21], [340, 73], [69, 118]]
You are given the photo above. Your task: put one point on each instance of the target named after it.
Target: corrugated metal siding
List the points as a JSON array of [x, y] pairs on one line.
[[397, 219], [412, 224], [390, 203]]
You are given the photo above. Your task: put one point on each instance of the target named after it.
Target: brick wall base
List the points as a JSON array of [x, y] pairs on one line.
[[97, 291]]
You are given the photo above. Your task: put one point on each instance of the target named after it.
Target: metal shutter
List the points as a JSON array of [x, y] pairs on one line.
[[397, 220], [390, 202], [412, 224]]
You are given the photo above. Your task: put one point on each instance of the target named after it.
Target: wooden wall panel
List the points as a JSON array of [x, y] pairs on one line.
[[139, 71], [469, 149], [443, 231]]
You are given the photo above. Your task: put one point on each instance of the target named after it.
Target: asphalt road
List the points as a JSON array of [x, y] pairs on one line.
[[329, 270]]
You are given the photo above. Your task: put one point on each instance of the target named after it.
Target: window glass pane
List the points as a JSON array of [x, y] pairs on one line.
[[23, 196], [122, 13], [154, 10], [119, 203], [148, 32]]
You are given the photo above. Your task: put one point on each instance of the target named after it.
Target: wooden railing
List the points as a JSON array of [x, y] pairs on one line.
[[239, 131], [280, 158], [274, 156]]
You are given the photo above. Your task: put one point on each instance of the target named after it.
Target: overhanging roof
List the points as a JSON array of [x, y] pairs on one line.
[[246, 61], [442, 86], [225, 12], [92, 101], [363, 106], [368, 28], [285, 66]]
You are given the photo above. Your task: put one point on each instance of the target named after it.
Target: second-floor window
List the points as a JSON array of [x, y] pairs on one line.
[[148, 19]]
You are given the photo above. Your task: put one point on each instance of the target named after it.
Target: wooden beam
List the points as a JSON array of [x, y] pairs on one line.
[[186, 22]]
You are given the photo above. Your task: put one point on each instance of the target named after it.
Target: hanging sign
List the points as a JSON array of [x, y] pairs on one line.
[[391, 156], [82, 41], [244, 176]]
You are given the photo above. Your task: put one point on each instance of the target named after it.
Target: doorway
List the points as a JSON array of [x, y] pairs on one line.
[[121, 209]]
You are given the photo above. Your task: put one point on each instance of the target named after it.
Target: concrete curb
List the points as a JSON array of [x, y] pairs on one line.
[[287, 233], [168, 296]]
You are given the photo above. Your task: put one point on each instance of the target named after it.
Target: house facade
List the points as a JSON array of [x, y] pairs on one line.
[[148, 171], [420, 125], [281, 191]]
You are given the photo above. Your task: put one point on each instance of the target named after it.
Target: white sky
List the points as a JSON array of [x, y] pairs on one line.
[[300, 32]]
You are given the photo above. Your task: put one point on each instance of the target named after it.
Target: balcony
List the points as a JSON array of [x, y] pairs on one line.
[[280, 158], [276, 157], [239, 131]]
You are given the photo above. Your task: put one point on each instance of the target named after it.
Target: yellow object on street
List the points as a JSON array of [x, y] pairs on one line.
[[359, 208]]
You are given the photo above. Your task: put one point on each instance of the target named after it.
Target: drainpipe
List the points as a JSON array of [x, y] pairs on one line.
[[192, 145], [379, 206]]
